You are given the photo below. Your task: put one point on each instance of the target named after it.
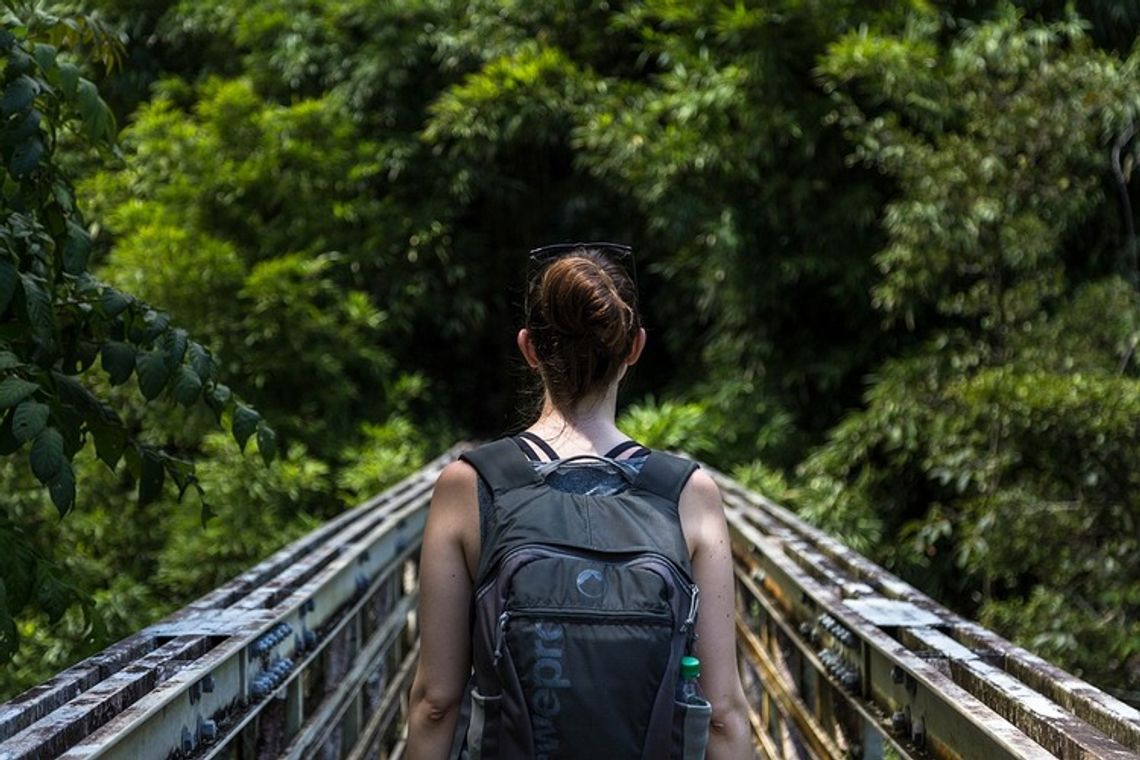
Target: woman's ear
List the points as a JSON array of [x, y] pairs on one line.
[[638, 347], [526, 348]]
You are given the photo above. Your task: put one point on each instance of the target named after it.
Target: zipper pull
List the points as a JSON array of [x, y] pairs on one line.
[[694, 605], [501, 636]]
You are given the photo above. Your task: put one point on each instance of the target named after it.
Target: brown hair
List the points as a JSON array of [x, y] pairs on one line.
[[583, 320]]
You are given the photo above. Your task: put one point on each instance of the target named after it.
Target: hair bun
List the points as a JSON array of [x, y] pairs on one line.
[[584, 323]]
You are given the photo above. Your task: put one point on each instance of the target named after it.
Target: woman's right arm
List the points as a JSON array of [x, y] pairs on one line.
[[444, 615], [707, 534]]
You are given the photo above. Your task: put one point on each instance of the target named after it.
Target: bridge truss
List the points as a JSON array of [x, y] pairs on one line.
[[310, 655]]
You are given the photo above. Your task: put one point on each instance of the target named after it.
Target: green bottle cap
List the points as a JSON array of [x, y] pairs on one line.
[[690, 667]]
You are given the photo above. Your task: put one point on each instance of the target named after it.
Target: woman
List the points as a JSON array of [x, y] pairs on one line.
[[582, 333]]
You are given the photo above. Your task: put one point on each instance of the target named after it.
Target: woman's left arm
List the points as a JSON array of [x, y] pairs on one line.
[[730, 736], [444, 615]]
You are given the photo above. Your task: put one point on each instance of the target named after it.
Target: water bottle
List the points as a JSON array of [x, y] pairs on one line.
[[688, 691], [691, 713]]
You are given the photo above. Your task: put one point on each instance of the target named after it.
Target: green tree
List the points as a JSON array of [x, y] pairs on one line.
[[261, 214], [990, 463], [899, 222], [56, 319]]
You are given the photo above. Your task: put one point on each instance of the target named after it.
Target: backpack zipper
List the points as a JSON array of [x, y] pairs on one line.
[[558, 613], [500, 636], [694, 592], [641, 558]]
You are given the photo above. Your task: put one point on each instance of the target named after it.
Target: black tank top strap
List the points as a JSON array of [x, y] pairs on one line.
[[546, 448], [623, 447], [526, 448]]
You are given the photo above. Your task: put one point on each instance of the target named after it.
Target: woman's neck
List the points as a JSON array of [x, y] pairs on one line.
[[586, 428]]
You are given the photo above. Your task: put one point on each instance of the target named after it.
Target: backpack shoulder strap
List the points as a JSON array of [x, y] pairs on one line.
[[665, 474], [502, 464]]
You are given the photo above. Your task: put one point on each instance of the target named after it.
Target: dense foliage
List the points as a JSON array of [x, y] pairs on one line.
[[56, 318], [886, 251]]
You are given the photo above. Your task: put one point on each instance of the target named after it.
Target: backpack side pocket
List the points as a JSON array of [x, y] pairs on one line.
[[691, 729], [482, 731]]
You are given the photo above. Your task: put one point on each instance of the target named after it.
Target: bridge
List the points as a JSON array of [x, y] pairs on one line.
[[310, 655]]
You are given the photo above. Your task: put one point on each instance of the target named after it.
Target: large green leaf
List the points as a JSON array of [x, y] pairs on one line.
[[69, 80], [37, 303], [46, 455], [218, 397], [76, 249], [153, 373], [19, 62], [245, 424], [110, 439], [174, 344], [266, 442], [18, 95], [114, 302], [95, 113], [81, 356], [157, 323], [26, 125], [45, 56], [91, 109], [29, 418], [118, 361], [187, 386], [201, 361], [13, 390], [9, 360], [62, 488], [26, 157]]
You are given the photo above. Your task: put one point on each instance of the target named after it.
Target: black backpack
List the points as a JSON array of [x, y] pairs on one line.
[[584, 606]]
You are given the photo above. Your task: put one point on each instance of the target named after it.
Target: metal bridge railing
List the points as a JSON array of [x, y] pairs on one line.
[[846, 660], [310, 655]]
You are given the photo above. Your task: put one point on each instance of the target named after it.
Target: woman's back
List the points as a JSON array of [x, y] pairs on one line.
[[582, 332]]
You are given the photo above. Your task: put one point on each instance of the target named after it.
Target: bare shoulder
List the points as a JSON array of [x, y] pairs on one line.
[[702, 487], [454, 512], [456, 480], [701, 496], [702, 517], [454, 492]]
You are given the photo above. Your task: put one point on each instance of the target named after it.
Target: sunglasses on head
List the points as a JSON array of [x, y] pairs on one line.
[[539, 258]]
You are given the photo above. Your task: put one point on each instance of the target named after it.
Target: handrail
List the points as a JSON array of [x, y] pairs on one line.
[[288, 659], [883, 669], [311, 653]]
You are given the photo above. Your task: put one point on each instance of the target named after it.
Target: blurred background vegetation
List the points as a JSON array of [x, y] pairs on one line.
[[887, 255]]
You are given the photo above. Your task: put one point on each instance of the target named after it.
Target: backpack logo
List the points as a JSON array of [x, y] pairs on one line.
[[591, 583]]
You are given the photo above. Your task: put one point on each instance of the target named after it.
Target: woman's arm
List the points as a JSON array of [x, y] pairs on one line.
[[707, 534], [444, 616]]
